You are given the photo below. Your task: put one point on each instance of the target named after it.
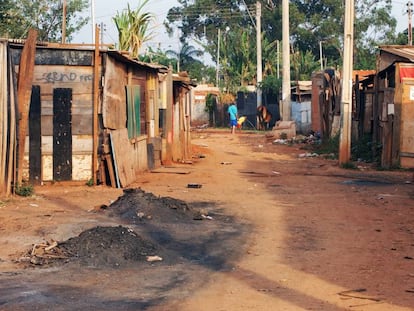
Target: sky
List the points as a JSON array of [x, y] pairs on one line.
[[106, 9]]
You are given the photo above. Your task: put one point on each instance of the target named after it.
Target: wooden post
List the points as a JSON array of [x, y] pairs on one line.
[[96, 80], [346, 98], [169, 116], [24, 90]]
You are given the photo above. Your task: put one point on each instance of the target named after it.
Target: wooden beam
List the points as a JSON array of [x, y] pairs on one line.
[[24, 90], [96, 80]]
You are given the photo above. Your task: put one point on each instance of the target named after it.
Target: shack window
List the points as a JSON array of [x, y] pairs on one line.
[[133, 93]]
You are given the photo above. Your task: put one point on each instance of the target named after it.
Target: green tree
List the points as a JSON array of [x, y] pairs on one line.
[[186, 56], [133, 28], [18, 16], [317, 21], [156, 56], [302, 65], [311, 22]]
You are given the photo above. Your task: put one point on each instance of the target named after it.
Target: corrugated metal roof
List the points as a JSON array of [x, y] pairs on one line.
[[404, 51], [124, 57], [391, 54]]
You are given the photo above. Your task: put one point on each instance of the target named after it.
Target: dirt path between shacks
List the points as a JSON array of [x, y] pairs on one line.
[[259, 228]]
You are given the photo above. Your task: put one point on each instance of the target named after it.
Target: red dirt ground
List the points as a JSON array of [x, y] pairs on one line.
[[287, 233]]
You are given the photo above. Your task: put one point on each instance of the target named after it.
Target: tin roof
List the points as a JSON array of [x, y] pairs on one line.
[[405, 51], [390, 54]]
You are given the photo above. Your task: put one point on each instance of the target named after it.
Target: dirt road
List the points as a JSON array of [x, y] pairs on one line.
[[286, 233]]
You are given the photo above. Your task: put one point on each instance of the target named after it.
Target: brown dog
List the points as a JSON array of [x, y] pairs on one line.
[[264, 117]]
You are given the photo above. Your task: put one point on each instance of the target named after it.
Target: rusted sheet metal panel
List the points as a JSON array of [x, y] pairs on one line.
[[130, 158], [114, 100], [50, 56]]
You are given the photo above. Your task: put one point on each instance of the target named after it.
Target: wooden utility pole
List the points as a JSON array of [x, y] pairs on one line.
[[286, 112], [346, 98], [259, 52], [410, 26], [24, 91], [218, 59]]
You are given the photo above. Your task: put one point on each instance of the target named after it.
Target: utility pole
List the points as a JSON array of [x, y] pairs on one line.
[[278, 59], [93, 20], [64, 22], [346, 97], [286, 62], [410, 27], [259, 69], [218, 58], [321, 54], [259, 52], [102, 28]]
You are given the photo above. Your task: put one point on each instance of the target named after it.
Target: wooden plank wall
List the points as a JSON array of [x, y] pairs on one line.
[[79, 80]]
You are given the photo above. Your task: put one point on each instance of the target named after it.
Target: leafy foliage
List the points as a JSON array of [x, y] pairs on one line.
[[185, 56], [211, 102], [312, 22], [18, 16], [365, 150], [133, 28], [25, 190], [271, 84]]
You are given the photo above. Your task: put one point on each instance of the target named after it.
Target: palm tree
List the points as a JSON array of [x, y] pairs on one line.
[[186, 56], [133, 28]]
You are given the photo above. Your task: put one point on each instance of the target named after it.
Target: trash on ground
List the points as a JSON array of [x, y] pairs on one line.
[[193, 186], [153, 258]]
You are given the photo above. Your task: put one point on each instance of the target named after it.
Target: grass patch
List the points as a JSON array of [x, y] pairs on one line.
[[349, 165], [364, 150], [24, 190], [329, 147]]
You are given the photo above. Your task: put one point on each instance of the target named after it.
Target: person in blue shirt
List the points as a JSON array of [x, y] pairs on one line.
[[233, 117]]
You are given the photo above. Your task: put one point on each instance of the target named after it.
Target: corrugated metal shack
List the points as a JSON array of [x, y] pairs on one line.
[[393, 110], [92, 113]]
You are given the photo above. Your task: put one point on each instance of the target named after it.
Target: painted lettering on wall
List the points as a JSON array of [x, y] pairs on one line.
[[54, 77]]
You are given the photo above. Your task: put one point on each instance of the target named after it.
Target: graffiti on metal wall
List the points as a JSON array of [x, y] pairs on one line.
[[55, 77]]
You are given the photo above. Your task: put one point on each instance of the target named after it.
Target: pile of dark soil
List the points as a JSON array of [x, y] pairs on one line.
[[152, 226], [108, 246], [138, 206]]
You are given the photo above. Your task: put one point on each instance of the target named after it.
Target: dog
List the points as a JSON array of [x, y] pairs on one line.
[[264, 117]]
